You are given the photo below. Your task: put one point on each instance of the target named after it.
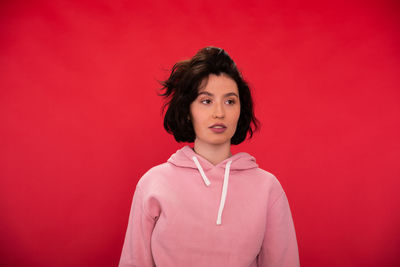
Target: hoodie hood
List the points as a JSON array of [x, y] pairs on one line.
[[184, 158], [187, 158]]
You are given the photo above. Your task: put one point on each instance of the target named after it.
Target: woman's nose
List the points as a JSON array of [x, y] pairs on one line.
[[218, 111]]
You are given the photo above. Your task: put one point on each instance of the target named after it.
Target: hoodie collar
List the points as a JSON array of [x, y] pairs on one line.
[[184, 158]]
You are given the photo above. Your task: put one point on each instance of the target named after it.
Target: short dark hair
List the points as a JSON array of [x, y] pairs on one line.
[[181, 89]]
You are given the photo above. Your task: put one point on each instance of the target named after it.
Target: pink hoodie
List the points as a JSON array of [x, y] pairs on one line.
[[188, 212]]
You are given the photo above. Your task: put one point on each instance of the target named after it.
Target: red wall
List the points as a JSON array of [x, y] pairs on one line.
[[80, 119]]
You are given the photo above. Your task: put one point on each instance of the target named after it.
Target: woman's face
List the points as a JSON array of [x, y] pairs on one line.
[[216, 110]]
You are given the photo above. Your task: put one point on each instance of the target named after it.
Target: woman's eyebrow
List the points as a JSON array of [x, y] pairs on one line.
[[210, 94]]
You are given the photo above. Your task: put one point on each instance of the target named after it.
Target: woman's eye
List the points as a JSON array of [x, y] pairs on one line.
[[230, 102], [206, 101]]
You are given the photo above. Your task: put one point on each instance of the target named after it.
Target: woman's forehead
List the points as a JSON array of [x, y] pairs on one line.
[[218, 85]]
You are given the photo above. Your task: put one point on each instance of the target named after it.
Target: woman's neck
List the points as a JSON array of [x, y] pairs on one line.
[[213, 153]]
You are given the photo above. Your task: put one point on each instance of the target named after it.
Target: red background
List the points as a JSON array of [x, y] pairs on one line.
[[80, 119]]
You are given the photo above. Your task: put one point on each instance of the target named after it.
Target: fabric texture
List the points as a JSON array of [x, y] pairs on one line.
[[188, 212]]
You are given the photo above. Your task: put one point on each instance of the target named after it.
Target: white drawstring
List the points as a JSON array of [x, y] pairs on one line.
[[224, 186], [224, 192], [203, 175]]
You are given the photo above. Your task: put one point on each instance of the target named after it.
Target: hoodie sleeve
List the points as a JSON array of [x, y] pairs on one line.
[[136, 250], [279, 247]]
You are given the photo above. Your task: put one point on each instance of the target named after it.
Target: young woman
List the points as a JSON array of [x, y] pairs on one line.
[[205, 206]]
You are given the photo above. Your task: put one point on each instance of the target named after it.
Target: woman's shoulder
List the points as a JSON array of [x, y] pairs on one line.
[[266, 180], [155, 175]]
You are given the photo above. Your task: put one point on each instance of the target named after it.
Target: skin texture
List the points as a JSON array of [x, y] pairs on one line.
[[217, 102]]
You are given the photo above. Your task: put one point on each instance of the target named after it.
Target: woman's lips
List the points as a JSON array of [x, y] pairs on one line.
[[218, 128]]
